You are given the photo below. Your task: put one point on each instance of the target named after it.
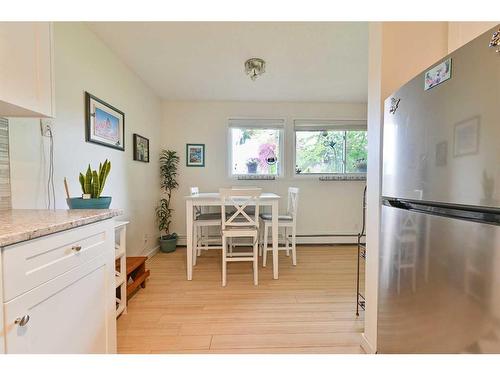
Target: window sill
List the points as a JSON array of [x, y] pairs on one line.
[[333, 177], [255, 177], [347, 177]]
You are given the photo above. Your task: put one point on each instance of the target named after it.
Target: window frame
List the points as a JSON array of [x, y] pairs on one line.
[[345, 125], [258, 123]]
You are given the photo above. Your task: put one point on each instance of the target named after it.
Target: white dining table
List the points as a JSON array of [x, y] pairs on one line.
[[213, 199]]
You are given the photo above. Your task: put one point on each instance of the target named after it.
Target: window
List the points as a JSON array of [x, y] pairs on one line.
[[256, 147], [327, 147]]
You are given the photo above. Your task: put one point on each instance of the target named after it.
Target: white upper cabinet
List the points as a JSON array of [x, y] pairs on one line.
[[26, 69]]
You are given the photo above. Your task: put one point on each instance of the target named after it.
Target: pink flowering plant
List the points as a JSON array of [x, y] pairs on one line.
[[267, 155]]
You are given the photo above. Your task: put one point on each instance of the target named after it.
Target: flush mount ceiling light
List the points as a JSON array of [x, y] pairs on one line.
[[254, 67]]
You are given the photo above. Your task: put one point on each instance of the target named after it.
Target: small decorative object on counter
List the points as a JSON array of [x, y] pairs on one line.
[[92, 183], [168, 175]]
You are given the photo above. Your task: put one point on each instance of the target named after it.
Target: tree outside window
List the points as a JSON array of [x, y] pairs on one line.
[[330, 151]]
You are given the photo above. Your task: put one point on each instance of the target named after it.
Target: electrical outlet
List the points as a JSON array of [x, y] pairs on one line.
[[145, 238], [46, 127]]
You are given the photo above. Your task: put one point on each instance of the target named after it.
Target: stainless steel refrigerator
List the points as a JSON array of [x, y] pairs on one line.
[[439, 264]]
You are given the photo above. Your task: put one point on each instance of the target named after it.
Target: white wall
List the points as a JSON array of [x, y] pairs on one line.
[[460, 33], [84, 63], [393, 60], [325, 207]]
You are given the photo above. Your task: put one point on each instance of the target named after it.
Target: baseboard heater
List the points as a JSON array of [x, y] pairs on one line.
[[302, 239], [327, 235], [343, 238]]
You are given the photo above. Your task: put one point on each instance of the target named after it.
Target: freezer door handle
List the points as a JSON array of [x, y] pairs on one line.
[[485, 215], [396, 203]]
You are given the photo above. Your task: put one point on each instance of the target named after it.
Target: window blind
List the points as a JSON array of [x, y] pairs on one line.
[[257, 123], [311, 125]]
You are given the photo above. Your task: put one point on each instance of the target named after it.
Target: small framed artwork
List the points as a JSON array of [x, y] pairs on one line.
[[442, 154], [195, 155], [104, 124], [466, 137], [437, 75], [141, 148]]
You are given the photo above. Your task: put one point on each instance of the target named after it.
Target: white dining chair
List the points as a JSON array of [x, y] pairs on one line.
[[240, 224], [250, 211], [201, 226], [287, 221]]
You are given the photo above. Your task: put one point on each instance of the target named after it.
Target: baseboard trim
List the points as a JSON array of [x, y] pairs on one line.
[[367, 347], [152, 252]]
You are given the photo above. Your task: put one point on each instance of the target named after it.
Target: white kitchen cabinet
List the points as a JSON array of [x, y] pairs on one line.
[[26, 69], [69, 305]]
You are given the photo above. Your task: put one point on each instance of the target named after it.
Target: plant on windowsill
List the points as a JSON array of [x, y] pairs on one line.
[[92, 183], [361, 166], [168, 182], [252, 164]]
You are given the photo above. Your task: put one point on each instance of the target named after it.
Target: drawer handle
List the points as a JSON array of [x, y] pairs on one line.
[[22, 321], [76, 248]]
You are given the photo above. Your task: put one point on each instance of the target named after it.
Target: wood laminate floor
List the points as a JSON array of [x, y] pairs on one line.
[[310, 309]]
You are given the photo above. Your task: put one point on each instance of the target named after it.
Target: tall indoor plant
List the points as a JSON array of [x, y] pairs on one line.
[[169, 162]]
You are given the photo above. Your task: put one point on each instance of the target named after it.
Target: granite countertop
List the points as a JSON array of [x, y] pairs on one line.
[[22, 225]]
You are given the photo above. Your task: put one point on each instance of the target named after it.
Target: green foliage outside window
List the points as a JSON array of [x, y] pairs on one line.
[[323, 152]]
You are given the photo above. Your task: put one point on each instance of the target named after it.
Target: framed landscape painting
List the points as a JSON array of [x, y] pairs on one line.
[[141, 148], [195, 155], [105, 124]]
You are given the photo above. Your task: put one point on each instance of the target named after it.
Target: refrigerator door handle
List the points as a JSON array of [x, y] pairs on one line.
[[396, 203], [480, 215]]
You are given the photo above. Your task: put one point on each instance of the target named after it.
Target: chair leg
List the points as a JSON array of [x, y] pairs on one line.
[[399, 271], [414, 280], [260, 237], [255, 262], [264, 248], [230, 246], [224, 262], [195, 243], [287, 243], [207, 229], [199, 240], [294, 246]]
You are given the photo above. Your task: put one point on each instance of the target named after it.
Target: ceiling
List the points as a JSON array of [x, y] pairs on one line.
[[305, 61]]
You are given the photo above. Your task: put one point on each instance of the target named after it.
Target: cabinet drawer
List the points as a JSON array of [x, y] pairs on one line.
[[73, 313], [32, 263]]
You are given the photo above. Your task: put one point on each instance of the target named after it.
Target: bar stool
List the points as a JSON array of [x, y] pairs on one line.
[[201, 238], [288, 221], [240, 224]]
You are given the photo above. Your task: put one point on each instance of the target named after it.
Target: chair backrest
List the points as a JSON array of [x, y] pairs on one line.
[[293, 202], [239, 199], [195, 191]]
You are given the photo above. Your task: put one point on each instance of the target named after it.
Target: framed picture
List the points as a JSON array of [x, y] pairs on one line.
[[141, 148], [437, 75], [195, 155], [466, 137], [442, 154], [104, 125]]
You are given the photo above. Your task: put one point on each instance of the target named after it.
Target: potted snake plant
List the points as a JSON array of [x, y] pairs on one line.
[[92, 184], [168, 182]]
